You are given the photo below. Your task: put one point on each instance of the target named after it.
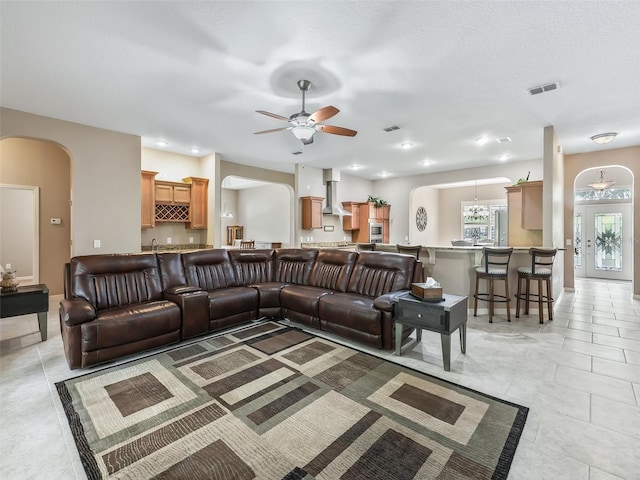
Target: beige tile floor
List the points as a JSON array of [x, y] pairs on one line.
[[579, 375]]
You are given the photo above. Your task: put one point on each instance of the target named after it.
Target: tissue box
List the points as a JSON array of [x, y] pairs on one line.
[[424, 292]]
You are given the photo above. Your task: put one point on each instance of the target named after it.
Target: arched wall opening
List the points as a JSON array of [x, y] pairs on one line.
[[603, 223], [263, 210], [46, 166]]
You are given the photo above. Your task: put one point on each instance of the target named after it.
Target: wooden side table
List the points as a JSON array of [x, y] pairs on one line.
[[25, 300], [443, 317]]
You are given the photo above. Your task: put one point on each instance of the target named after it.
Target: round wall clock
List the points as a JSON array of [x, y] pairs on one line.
[[421, 219]]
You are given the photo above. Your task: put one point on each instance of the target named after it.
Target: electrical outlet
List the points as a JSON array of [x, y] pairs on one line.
[[8, 266], [168, 240], [96, 244], [190, 239], [56, 221]]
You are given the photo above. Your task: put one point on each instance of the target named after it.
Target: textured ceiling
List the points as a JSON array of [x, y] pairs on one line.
[[446, 73]]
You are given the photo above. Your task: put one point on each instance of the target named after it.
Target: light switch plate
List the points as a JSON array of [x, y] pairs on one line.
[[96, 244]]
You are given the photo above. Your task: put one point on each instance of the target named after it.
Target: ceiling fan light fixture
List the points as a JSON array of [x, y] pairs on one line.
[[601, 183], [303, 133], [604, 138]]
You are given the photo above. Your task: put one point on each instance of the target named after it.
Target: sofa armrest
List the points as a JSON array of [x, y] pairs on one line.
[[194, 306], [387, 301], [179, 290], [75, 311]]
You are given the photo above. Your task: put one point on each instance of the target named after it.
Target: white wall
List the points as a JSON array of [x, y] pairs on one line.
[[264, 212], [18, 229], [428, 198]]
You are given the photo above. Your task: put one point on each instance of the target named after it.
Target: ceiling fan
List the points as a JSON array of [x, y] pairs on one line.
[[304, 125]]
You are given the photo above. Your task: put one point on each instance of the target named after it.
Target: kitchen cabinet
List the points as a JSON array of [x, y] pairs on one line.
[[148, 199], [311, 212], [352, 222], [198, 200], [369, 213], [525, 214], [172, 193]]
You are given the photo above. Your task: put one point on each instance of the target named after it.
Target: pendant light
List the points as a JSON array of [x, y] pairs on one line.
[[601, 183]]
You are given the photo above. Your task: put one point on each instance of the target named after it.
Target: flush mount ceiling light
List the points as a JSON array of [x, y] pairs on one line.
[[601, 183], [195, 150], [604, 138]]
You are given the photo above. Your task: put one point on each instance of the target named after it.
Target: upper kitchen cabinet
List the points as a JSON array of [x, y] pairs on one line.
[[173, 193], [525, 214], [148, 199], [197, 202], [351, 222], [311, 212], [177, 202]]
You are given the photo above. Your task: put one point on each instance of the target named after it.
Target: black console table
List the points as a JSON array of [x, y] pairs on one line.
[[25, 300], [443, 317]]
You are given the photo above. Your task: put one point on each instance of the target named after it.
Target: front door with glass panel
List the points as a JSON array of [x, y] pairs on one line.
[[606, 245]]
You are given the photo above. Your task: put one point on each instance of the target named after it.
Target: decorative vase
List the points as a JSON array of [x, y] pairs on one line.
[[9, 282]]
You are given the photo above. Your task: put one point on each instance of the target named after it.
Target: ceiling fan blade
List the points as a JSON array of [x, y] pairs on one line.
[[270, 131], [338, 130], [308, 142], [274, 115], [323, 114]]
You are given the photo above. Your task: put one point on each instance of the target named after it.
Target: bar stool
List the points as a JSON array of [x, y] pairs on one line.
[[540, 270], [495, 267]]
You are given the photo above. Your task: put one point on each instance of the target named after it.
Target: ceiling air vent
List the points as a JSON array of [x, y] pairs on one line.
[[503, 139], [299, 152], [392, 128], [544, 88]]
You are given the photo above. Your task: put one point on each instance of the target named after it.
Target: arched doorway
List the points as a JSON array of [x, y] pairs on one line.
[[262, 209], [603, 223], [45, 166]]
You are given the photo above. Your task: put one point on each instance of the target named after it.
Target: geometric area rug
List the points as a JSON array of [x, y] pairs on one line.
[[275, 402]]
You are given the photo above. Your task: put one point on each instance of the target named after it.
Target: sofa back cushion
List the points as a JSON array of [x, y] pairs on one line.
[[108, 281], [252, 266], [294, 265], [377, 273], [332, 269], [209, 269]]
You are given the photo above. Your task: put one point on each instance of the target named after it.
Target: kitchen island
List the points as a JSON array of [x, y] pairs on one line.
[[454, 268]]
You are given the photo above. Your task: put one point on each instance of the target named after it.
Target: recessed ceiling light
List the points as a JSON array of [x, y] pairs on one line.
[[355, 166], [195, 150], [384, 174], [503, 158], [603, 138], [162, 143], [481, 140], [426, 163], [406, 146]]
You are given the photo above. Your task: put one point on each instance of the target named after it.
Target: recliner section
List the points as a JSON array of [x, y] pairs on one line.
[[117, 305]]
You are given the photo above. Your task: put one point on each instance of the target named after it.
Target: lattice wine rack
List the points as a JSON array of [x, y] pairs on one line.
[[172, 213]]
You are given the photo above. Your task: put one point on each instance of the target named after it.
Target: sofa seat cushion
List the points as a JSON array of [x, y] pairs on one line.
[[226, 302], [351, 310], [302, 298], [131, 323]]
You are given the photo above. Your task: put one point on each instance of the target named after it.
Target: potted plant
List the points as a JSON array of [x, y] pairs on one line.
[[379, 201]]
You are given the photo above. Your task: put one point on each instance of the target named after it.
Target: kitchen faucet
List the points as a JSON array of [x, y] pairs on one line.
[[154, 245]]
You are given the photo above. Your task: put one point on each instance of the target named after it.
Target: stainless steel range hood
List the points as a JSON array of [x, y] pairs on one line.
[[331, 179]]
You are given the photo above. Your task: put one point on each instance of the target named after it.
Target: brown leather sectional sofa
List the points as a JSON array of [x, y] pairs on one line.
[[117, 305]]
